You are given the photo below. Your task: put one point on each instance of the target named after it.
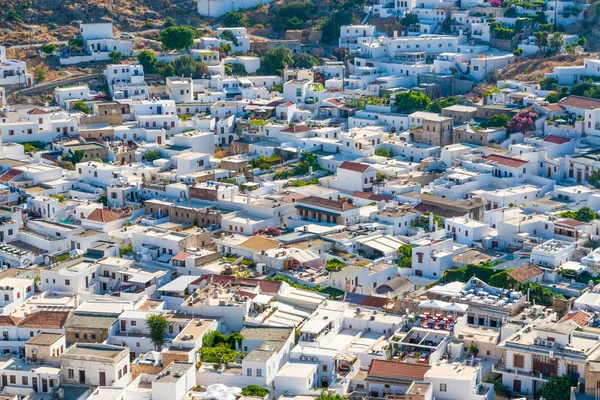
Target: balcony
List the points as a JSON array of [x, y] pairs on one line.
[[500, 369]]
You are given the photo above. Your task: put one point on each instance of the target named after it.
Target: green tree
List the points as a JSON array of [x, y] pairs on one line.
[[496, 121], [594, 178], [239, 70], [39, 74], [541, 39], [331, 26], [582, 41], [229, 36], [234, 19], [558, 388], [585, 214], [149, 61], [384, 152], [115, 56], [178, 37], [157, 327], [48, 48], [254, 391], [151, 155], [81, 106], [304, 60], [409, 20], [165, 69], [437, 106], [275, 60], [185, 65], [14, 15], [556, 41], [405, 256], [411, 101], [473, 350], [548, 84], [169, 22]]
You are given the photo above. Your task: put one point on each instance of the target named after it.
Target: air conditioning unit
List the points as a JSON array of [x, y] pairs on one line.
[[536, 341], [544, 342]]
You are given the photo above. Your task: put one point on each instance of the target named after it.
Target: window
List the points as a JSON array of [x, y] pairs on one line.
[[518, 361], [93, 336], [13, 379], [31, 334], [442, 387], [133, 323], [258, 372], [325, 366], [25, 381], [71, 373], [249, 371], [67, 282], [77, 336], [420, 258]]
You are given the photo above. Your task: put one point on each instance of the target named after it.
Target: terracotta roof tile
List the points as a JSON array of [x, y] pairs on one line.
[[297, 129], [259, 243], [525, 272], [326, 203], [504, 160], [7, 320], [45, 319], [181, 256], [556, 139], [264, 285], [352, 166], [579, 317], [104, 215], [579, 102], [393, 369], [36, 111], [553, 107], [10, 175]]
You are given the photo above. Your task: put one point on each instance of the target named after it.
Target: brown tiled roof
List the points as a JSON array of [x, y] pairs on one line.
[[36, 111], [259, 243], [326, 203], [579, 317], [556, 139], [352, 166], [297, 129], [45, 319], [504, 160], [375, 302], [553, 107], [525, 272], [370, 196], [7, 320], [180, 256], [104, 215], [571, 223], [393, 369], [287, 104], [10, 175], [579, 102]]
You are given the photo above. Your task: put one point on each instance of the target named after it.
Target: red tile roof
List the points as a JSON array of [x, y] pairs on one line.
[[556, 139], [10, 175], [297, 129], [287, 104], [181, 256], [579, 102], [326, 203], [104, 215], [45, 319], [571, 223], [579, 317], [370, 196], [504, 160], [7, 320], [393, 369], [352, 166], [525, 272], [375, 302], [36, 111], [554, 107]]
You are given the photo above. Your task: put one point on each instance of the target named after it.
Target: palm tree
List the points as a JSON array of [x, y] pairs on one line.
[[556, 41], [542, 39], [115, 56]]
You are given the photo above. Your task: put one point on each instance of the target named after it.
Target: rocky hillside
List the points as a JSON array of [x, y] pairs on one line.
[[22, 21]]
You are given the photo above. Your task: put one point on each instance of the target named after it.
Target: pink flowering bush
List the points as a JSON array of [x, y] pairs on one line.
[[522, 122], [271, 231], [495, 3]]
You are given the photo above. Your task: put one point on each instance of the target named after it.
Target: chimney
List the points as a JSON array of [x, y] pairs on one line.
[[430, 222], [395, 34], [248, 197]]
